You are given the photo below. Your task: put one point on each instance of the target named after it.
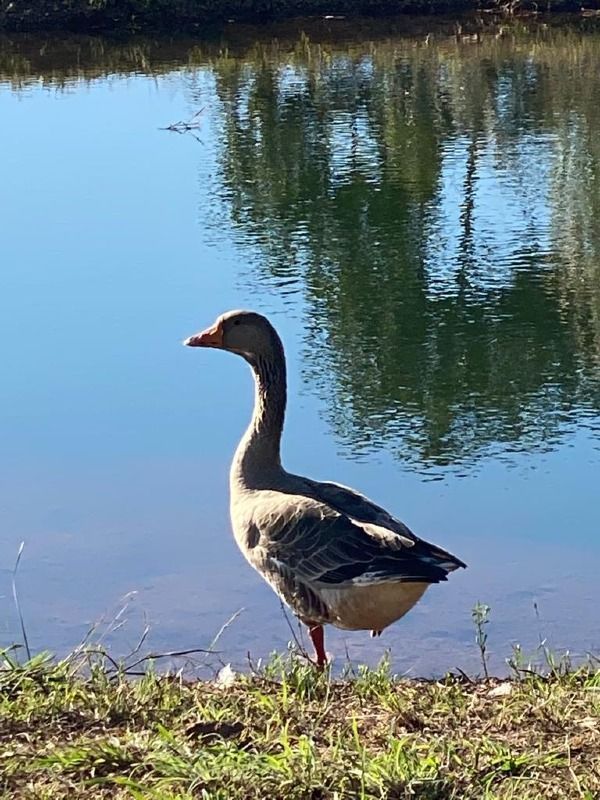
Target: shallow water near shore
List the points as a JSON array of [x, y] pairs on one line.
[[417, 211]]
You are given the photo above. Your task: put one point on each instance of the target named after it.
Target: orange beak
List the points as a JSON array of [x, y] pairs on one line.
[[211, 337]]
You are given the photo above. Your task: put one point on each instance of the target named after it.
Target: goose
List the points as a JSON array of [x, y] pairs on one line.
[[331, 554]]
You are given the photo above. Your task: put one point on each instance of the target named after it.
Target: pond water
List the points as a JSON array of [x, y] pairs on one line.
[[417, 207]]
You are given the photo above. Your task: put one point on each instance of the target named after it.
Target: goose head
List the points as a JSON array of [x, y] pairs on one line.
[[245, 333]]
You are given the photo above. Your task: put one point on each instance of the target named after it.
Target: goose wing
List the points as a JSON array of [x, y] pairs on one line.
[[363, 511], [322, 546]]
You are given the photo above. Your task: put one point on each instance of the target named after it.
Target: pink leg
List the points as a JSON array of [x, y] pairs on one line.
[[317, 637]]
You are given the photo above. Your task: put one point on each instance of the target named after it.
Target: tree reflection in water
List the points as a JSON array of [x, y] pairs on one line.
[[437, 207]]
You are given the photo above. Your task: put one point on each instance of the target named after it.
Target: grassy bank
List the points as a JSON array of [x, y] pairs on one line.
[[289, 732], [195, 15]]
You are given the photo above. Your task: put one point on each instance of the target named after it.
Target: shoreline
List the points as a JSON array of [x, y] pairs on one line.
[[59, 58], [82, 727], [201, 17]]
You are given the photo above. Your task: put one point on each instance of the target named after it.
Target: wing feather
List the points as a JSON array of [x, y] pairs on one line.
[[364, 511], [320, 545]]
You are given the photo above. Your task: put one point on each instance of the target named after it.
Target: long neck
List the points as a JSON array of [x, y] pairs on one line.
[[258, 454]]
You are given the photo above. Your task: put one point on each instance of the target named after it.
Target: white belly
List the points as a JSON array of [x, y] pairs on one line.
[[371, 607]]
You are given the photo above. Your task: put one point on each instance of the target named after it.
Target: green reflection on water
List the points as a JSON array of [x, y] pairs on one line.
[[437, 208], [433, 199]]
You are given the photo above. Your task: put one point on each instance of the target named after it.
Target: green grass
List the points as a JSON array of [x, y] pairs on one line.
[[79, 728]]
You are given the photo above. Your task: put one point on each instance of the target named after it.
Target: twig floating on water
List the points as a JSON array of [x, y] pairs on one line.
[[183, 126]]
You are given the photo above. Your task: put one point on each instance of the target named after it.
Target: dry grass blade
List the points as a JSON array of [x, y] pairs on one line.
[[16, 600], [223, 628], [168, 654]]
